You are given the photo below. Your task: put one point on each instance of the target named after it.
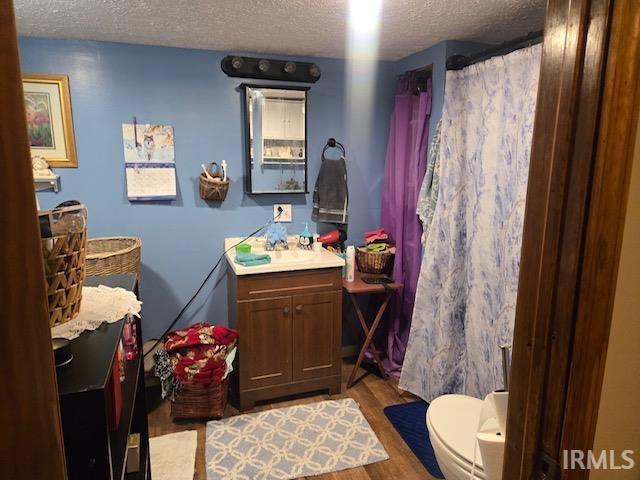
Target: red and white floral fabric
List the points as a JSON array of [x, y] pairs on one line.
[[198, 353]]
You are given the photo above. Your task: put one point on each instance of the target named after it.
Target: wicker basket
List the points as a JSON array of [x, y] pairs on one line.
[[215, 190], [64, 264], [113, 255], [201, 400], [374, 262]]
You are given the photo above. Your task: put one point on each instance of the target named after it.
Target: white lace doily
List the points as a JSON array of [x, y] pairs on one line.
[[99, 304]]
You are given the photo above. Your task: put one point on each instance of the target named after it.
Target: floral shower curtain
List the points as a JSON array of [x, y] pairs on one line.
[[404, 168], [466, 294]]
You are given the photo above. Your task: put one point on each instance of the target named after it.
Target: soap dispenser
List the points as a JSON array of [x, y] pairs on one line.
[[305, 240]]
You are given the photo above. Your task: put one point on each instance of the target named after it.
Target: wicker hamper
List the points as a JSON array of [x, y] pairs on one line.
[[201, 400], [63, 233], [374, 262], [64, 264], [113, 255]]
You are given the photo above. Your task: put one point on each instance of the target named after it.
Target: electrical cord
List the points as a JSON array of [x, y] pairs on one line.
[[204, 282]]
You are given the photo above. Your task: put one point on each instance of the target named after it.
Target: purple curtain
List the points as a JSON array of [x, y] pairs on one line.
[[404, 170]]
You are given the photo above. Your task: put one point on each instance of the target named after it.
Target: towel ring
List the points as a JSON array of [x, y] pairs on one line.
[[333, 143]]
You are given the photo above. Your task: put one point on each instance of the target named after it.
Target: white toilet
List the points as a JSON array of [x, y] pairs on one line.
[[452, 421]]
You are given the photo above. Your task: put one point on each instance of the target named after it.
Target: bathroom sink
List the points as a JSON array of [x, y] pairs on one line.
[[282, 260], [293, 256]]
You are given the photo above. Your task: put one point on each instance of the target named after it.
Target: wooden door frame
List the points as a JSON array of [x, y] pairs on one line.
[[583, 146], [31, 443]]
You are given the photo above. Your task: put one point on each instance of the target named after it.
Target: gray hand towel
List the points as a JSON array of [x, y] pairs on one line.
[[330, 195]]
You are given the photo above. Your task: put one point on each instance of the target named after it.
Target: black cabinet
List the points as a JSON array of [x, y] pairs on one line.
[[93, 451]]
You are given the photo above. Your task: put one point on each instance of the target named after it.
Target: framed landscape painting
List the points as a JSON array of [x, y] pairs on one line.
[[49, 121]]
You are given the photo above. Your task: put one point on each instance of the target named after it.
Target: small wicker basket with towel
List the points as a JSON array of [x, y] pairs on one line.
[[214, 183], [374, 262], [377, 255]]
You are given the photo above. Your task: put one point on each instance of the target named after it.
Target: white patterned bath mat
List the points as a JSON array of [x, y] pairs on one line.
[[173, 456], [291, 442]]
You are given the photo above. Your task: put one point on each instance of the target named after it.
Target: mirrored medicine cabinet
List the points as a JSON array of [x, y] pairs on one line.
[[275, 139]]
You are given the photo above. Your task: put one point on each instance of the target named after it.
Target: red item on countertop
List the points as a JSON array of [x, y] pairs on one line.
[[334, 236]]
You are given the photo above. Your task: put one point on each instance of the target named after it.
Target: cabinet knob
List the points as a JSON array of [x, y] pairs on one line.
[[298, 308], [286, 310]]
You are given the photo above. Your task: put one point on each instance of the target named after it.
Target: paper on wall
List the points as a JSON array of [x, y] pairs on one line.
[[149, 161]]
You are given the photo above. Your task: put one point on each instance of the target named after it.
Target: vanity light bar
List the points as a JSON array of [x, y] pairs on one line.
[[270, 69]]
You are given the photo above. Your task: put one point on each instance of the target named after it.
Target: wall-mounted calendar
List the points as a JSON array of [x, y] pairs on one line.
[[150, 164]]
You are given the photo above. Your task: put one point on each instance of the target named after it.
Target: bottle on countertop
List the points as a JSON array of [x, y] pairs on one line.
[[351, 263], [305, 239], [130, 337]]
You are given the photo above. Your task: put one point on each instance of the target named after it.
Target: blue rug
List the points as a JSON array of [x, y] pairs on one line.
[[409, 419]]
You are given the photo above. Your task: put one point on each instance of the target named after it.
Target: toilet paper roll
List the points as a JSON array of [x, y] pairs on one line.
[[500, 404], [491, 446]]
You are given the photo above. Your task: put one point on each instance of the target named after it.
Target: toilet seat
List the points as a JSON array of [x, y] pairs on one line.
[[452, 421]]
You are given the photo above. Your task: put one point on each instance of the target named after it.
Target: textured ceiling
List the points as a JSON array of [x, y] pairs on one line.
[[298, 27]]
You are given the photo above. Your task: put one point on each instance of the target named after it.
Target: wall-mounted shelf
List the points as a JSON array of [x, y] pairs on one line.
[[43, 184], [286, 159], [280, 163], [283, 139]]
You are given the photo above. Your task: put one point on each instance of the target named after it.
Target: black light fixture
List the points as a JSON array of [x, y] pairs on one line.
[[237, 63], [270, 69], [263, 65], [314, 71]]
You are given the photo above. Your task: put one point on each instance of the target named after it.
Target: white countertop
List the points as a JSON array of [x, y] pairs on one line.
[[281, 261]]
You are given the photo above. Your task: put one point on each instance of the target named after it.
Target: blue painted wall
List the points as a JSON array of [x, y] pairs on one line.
[[111, 82], [437, 57]]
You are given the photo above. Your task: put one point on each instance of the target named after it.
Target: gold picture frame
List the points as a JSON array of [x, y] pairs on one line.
[[49, 118]]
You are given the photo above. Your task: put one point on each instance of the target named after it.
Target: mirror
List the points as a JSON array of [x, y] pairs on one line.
[[276, 139]]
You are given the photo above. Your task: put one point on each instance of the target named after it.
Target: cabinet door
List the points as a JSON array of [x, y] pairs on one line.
[[317, 319], [294, 120], [265, 342], [273, 119]]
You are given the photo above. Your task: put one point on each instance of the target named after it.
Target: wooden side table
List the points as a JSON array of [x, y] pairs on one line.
[[358, 287]]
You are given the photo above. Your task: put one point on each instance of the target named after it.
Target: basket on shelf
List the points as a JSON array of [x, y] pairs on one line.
[[374, 262], [214, 188], [64, 263], [63, 233], [113, 255], [201, 400]]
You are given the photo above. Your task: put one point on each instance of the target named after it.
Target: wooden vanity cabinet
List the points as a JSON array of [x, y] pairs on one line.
[[289, 324]]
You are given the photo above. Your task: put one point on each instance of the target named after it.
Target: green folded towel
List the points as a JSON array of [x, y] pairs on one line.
[[377, 247], [252, 259]]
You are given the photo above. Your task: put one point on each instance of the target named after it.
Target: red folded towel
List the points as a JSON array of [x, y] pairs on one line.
[[373, 232], [373, 235]]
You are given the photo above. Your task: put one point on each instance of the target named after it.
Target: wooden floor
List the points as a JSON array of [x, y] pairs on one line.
[[372, 394]]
